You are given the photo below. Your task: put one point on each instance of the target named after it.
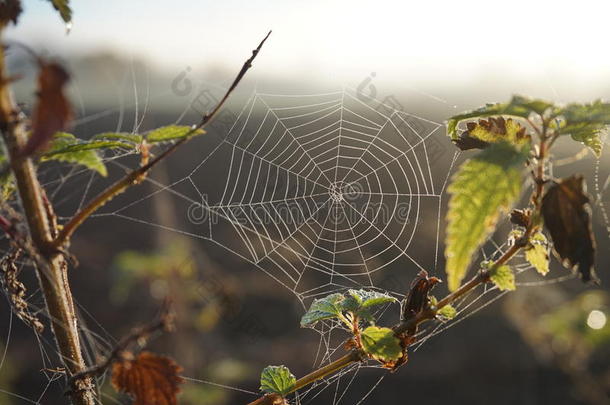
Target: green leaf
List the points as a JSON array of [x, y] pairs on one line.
[[368, 298], [502, 276], [381, 344], [277, 380], [172, 132], [448, 312], [67, 148], [483, 188], [125, 137], [360, 303], [536, 105], [591, 139], [68, 143], [518, 107], [323, 308], [63, 6], [584, 122], [537, 253]]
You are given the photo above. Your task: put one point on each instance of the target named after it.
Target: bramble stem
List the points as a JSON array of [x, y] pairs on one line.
[[51, 266], [136, 176]]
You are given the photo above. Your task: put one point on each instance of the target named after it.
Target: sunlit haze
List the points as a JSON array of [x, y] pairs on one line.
[[338, 41]]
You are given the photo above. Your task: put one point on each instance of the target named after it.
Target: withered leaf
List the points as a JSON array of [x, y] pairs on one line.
[[520, 217], [16, 291], [10, 11], [417, 299], [149, 378], [566, 213], [481, 134], [467, 142], [52, 112]]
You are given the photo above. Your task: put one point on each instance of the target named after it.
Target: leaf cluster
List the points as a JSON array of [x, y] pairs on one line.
[[515, 139]]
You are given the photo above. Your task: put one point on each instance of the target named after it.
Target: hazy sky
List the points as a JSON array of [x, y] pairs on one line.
[[564, 43]]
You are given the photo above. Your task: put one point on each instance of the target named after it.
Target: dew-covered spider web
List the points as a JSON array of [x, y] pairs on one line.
[[318, 193]]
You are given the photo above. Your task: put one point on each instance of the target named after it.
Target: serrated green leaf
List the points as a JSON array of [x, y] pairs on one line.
[[277, 380], [64, 147], [502, 276], [368, 298], [483, 188], [63, 7], [381, 344], [67, 148], [172, 132], [323, 308], [68, 143], [591, 139], [519, 106], [584, 122], [126, 137], [448, 312], [536, 105], [537, 253]]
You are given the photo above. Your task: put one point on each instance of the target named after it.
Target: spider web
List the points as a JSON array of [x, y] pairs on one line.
[[320, 192], [324, 192]]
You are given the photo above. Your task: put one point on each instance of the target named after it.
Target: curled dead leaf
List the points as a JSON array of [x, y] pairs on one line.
[[10, 11], [417, 300], [520, 217], [16, 291], [52, 112], [567, 216], [149, 378]]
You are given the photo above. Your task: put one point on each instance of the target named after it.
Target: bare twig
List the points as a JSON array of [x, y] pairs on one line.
[[137, 175], [163, 322]]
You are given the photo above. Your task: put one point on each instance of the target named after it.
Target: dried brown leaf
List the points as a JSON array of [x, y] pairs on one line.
[[149, 378], [417, 300], [53, 111], [520, 217], [567, 216], [16, 290], [10, 11], [481, 134]]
